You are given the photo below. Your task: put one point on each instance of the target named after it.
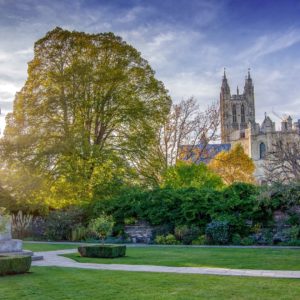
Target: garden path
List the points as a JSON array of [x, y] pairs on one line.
[[53, 259]]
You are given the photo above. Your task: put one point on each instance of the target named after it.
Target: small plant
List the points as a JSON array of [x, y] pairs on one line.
[[160, 239], [102, 226], [21, 223], [78, 233], [166, 240], [171, 240]]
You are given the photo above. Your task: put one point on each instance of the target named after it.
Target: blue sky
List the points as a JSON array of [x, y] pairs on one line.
[[188, 43]]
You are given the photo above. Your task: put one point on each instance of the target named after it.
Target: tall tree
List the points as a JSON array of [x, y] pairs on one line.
[[90, 101], [234, 165]]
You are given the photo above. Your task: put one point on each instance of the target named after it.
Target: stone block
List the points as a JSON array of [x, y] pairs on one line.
[[10, 246]]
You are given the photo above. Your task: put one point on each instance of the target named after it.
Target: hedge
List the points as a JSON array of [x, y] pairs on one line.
[[14, 264], [103, 251]]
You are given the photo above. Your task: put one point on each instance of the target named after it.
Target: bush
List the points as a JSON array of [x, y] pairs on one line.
[[103, 251], [247, 241], [201, 240], [14, 264], [236, 239], [294, 232], [218, 232], [166, 240], [186, 234], [79, 233], [102, 226], [59, 224]]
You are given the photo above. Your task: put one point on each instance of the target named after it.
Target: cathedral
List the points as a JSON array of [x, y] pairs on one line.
[[238, 124]]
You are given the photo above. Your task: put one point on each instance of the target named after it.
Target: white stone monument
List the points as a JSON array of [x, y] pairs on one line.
[[7, 244]]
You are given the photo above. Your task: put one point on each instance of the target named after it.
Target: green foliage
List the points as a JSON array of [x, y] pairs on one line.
[[169, 239], [294, 232], [103, 251], [59, 224], [239, 206], [200, 240], [84, 122], [79, 233], [102, 226], [186, 234], [217, 232], [236, 239], [247, 241], [186, 175], [14, 264]]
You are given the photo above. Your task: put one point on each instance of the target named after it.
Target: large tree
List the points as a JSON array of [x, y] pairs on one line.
[[89, 104]]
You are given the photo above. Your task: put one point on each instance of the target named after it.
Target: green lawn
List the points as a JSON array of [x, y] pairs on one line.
[[268, 259], [64, 283], [47, 247]]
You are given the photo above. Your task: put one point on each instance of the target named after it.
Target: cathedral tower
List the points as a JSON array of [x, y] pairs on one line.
[[237, 111]]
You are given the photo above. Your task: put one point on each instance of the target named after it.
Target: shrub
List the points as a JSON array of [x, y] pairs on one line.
[[59, 224], [186, 234], [79, 233], [201, 240], [103, 251], [247, 241], [160, 239], [21, 223], [171, 240], [14, 264], [166, 240], [218, 232], [102, 226], [236, 239], [294, 232]]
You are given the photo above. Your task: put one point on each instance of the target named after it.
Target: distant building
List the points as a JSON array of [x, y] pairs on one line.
[[238, 124]]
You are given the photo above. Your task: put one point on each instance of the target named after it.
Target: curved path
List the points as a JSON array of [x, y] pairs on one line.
[[52, 258]]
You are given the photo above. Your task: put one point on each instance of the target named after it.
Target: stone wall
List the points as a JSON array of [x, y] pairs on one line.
[[140, 232]]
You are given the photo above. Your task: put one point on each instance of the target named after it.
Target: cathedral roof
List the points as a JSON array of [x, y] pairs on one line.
[[210, 151]]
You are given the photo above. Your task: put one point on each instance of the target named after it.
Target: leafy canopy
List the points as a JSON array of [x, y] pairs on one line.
[[186, 174], [89, 106], [234, 165]]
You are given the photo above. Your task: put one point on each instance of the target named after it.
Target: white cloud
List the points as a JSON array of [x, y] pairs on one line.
[[268, 44]]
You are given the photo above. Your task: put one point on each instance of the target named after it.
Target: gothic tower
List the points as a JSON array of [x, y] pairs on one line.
[[237, 111]]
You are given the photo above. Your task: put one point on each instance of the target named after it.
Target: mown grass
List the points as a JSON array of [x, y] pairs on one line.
[[47, 247], [50, 283], [235, 258]]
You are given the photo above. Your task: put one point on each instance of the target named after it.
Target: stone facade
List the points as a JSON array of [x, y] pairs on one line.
[[141, 232], [238, 125]]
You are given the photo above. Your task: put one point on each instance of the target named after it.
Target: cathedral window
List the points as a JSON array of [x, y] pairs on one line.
[[234, 113], [243, 114], [262, 150]]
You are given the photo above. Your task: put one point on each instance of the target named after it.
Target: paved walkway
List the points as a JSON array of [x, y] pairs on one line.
[[52, 258]]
